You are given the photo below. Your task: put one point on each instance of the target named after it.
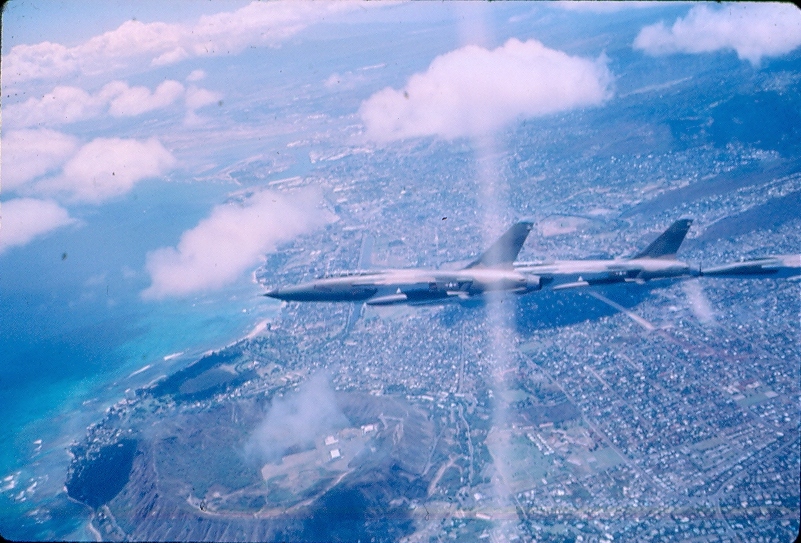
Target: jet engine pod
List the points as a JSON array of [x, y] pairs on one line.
[[533, 282]]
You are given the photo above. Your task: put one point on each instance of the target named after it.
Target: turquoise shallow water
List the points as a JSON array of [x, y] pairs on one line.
[[54, 389], [75, 337]]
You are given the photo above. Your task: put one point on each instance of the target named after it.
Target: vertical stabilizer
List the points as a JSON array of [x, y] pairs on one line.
[[667, 245], [504, 251]]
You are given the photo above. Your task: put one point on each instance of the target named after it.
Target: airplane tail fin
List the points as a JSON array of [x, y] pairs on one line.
[[505, 250], [666, 245]]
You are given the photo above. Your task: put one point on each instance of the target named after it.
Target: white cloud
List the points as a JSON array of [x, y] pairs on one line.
[[171, 57], [296, 420], [45, 59], [752, 30], [196, 75], [138, 100], [232, 240], [699, 303], [24, 219], [65, 105], [62, 105], [473, 91], [197, 97], [106, 168], [259, 23], [28, 154]]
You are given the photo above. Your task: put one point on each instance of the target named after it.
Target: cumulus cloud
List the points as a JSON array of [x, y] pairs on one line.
[[699, 303], [196, 75], [64, 105], [752, 30], [137, 100], [24, 219], [473, 91], [297, 421], [259, 23], [28, 154], [197, 97], [106, 168], [232, 240]]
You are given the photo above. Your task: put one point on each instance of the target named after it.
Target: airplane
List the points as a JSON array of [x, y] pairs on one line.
[[778, 266], [491, 272], [657, 261], [495, 271]]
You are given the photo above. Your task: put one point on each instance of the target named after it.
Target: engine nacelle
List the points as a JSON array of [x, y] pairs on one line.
[[532, 283]]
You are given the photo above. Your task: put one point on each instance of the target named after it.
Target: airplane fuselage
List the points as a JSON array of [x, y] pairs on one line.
[[779, 266], [563, 274], [389, 287]]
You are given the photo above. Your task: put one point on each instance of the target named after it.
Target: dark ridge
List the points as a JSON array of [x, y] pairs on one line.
[[768, 216], [360, 510], [181, 382], [96, 479], [720, 184], [767, 120]]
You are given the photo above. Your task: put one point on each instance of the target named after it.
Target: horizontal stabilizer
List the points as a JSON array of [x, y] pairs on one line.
[[504, 251], [667, 245]]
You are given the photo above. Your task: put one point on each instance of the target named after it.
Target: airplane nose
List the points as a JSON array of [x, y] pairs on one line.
[[274, 293], [288, 294]]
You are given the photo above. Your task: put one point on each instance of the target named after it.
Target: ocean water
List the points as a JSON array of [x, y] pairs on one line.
[[77, 337], [54, 388]]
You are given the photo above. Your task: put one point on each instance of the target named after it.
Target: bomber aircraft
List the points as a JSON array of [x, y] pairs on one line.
[[495, 271], [657, 261]]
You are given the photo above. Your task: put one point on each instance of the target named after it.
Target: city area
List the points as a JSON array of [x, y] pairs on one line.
[[551, 416]]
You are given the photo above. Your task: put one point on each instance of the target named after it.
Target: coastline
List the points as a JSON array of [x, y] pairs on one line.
[[91, 527], [109, 390]]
